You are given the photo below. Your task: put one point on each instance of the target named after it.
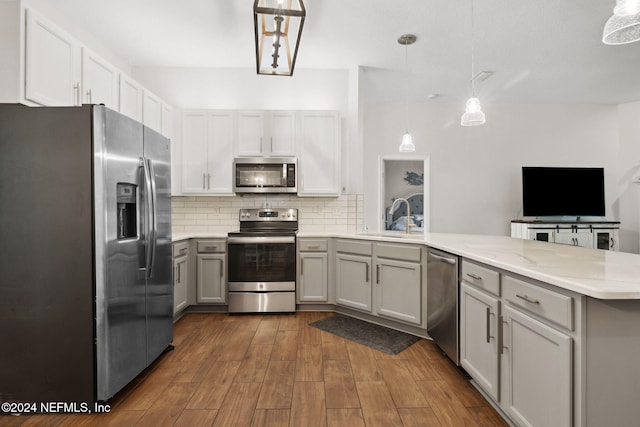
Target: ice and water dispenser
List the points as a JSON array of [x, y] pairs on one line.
[[127, 211]]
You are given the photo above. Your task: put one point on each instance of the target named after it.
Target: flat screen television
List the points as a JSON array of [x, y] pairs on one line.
[[562, 191]]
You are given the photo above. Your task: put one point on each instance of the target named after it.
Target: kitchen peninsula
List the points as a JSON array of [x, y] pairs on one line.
[[562, 323]]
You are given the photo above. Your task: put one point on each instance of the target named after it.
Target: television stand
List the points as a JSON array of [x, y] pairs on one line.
[[596, 234]]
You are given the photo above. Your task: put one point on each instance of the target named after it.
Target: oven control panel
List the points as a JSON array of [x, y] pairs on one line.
[[276, 214]]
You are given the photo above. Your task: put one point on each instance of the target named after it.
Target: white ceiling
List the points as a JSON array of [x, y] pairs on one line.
[[542, 51]]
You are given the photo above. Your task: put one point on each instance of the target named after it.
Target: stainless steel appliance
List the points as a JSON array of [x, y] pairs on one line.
[[265, 175], [262, 261], [442, 301], [86, 297]]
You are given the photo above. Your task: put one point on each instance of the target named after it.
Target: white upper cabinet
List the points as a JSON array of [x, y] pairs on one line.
[[152, 111], [266, 133], [281, 128], [207, 152], [319, 153], [99, 81], [52, 63], [130, 97], [167, 121]]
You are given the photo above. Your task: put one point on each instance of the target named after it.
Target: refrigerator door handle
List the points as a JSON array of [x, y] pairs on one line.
[[154, 217], [149, 215]]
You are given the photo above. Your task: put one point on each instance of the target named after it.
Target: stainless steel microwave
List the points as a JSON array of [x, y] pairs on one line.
[[265, 175]]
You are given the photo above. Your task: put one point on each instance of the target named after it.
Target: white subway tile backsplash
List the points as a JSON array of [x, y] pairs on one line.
[[220, 214]]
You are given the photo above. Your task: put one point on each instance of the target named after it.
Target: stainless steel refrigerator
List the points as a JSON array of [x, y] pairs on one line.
[[86, 294]]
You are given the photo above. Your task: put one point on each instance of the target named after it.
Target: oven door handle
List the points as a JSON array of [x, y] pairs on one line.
[[261, 240]]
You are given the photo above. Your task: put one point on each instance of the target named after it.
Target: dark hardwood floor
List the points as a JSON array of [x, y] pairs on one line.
[[275, 370]]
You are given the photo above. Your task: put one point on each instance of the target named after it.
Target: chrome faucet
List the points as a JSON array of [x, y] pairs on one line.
[[400, 199]]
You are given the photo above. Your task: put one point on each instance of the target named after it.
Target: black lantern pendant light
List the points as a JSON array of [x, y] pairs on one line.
[[274, 22]]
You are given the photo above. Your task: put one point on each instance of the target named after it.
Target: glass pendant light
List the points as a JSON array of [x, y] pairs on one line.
[[624, 25], [407, 145], [473, 114]]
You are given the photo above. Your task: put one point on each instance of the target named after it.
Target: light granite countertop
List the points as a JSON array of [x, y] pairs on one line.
[[593, 272]]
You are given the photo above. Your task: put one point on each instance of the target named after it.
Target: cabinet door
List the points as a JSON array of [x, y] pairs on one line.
[[605, 239], [319, 158], [167, 121], [152, 111], [281, 127], [130, 98], [478, 338], [353, 281], [211, 280], [99, 81], [179, 284], [250, 133], [313, 284], [539, 367], [398, 287], [52, 64], [220, 128], [582, 238], [194, 152]]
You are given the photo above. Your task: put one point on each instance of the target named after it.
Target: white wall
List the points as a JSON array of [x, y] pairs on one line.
[[475, 172], [628, 167], [242, 88]]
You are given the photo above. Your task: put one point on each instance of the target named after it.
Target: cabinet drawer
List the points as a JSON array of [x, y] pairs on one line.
[[313, 245], [207, 246], [481, 277], [550, 305], [354, 247], [180, 249], [401, 252]]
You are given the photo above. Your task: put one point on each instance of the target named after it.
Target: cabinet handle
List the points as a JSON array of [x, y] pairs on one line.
[[301, 266], [183, 251], [271, 145], [367, 273], [501, 345], [611, 247], [89, 96], [313, 246], [488, 325], [221, 270], [208, 181], [210, 248], [261, 144], [474, 276], [528, 299], [76, 94], [204, 177], [179, 271], [378, 274]]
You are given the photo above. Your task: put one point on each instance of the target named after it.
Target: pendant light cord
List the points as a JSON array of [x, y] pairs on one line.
[[406, 86], [473, 91]]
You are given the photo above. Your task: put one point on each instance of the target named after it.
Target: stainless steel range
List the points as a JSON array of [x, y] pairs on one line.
[[262, 261]]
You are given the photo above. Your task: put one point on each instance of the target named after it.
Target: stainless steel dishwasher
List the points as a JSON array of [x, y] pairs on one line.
[[442, 301]]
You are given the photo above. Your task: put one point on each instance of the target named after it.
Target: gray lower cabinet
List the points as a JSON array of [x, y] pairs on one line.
[[538, 368], [399, 282], [383, 279], [211, 261], [478, 343], [353, 281], [180, 276], [516, 341], [313, 271]]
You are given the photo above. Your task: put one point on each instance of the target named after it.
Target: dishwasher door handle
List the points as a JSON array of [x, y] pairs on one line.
[[443, 259]]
